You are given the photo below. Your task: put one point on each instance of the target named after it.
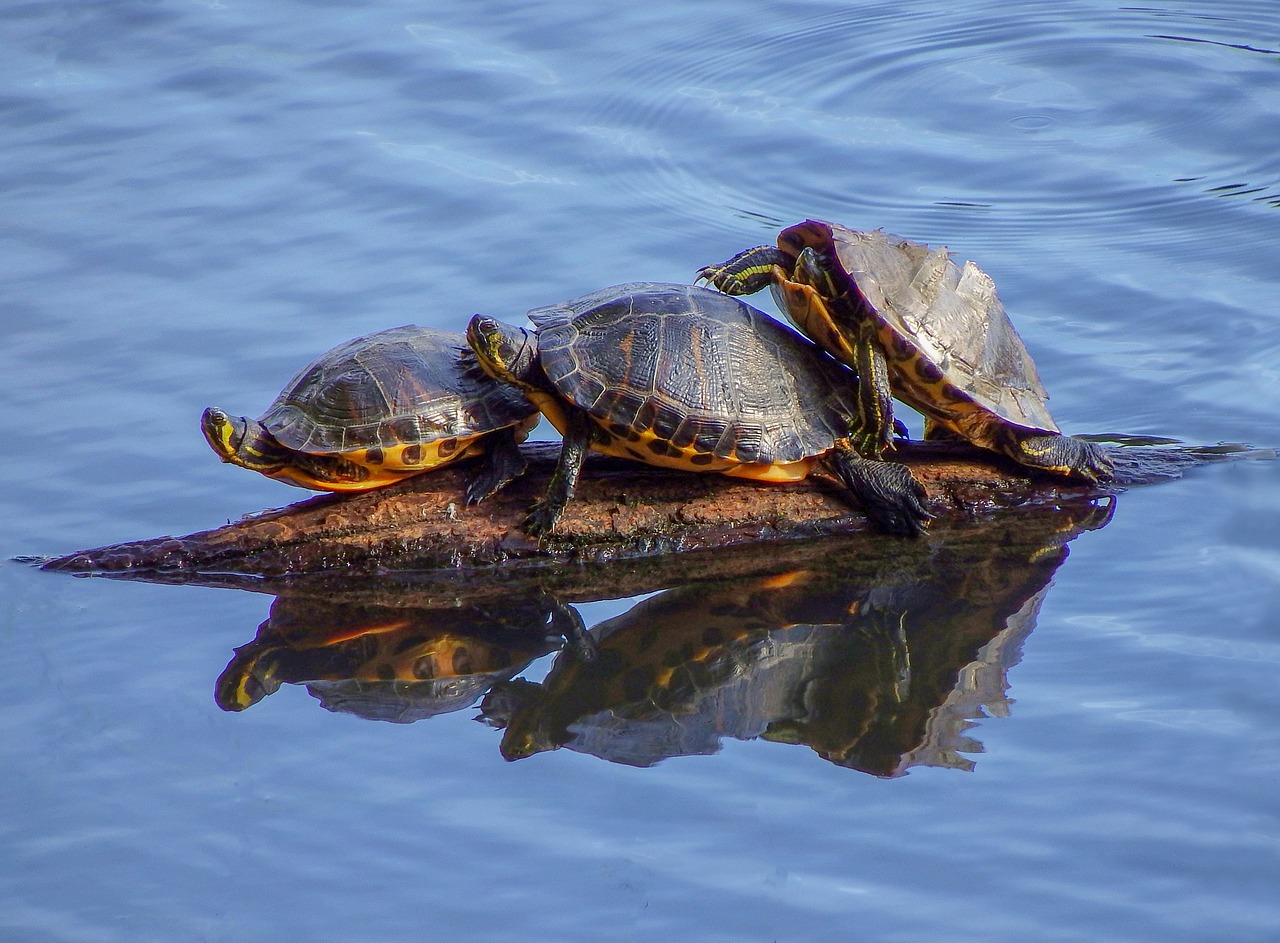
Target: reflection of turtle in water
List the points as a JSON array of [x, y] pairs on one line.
[[917, 326], [391, 662], [684, 377], [377, 409], [873, 670], [662, 667]]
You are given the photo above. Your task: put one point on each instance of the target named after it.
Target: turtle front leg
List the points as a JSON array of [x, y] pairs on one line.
[[892, 499], [874, 435], [1064, 455], [503, 462], [747, 272], [564, 480], [568, 624]]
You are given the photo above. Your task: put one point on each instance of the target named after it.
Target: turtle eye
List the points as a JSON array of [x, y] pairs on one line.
[[480, 334]]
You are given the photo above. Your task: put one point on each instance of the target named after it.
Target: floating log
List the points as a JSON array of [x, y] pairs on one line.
[[622, 510]]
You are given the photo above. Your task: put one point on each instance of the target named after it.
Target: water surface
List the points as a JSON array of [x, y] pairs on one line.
[[200, 197]]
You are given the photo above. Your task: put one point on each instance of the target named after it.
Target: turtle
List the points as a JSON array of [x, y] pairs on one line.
[[681, 670], [916, 325], [680, 376], [390, 658], [377, 409]]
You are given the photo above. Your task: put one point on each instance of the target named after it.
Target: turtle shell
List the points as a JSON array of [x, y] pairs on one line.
[[688, 375], [387, 659], [939, 312], [403, 387]]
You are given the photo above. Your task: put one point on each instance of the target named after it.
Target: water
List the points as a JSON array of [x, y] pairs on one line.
[[200, 197]]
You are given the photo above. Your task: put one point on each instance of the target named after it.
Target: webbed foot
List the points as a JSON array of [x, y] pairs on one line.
[[503, 462], [892, 499], [541, 519], [873, 443]]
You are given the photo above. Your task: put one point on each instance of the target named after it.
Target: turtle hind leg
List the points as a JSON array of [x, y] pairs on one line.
[[892, 499], [747, 272], [501, 464], [1064, 455]]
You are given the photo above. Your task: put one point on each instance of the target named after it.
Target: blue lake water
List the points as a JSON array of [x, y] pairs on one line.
[[199, 197]]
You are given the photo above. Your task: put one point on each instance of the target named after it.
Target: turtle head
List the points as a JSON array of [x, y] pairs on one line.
[[246, 680], [514, 707], [819, 270], [241, 441], [223, 432], [506, 353]]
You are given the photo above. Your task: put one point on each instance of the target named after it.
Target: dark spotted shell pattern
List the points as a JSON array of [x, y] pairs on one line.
[[404, 386], [705, 372]]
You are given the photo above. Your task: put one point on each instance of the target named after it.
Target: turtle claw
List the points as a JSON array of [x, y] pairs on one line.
[[746, 273], [872, 444], [502, 464], [721, 279], [478, 489], [541, 519], [1066, 455], [1094, 463], [898, 505], [888, 493], [708, 274]]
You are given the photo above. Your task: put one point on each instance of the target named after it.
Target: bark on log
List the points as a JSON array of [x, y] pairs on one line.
[[623, 510]]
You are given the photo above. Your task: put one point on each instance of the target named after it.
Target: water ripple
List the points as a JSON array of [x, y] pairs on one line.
[[1019, 122]]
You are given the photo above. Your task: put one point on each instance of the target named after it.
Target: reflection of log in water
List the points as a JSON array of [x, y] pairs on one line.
[[623, 510], [871, 673], [876, 666]]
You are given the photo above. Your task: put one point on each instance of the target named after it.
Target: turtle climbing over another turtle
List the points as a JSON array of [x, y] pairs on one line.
[[916, 325], [684, 377], [377, 409]]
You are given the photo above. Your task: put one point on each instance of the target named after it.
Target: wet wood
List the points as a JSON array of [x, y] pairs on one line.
[[622, 510]]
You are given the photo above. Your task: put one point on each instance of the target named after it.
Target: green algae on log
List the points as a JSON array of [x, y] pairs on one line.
[[622, 510]]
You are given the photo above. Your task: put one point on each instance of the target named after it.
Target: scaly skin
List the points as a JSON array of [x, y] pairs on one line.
[[564, 480], [747, 272], [809, 280], [889, 495]]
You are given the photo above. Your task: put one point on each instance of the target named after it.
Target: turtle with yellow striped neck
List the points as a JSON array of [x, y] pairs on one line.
[[917, 326], [377, 409], [683, 377]]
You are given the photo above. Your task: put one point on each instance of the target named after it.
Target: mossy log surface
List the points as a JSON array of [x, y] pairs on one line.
[[622, 511]]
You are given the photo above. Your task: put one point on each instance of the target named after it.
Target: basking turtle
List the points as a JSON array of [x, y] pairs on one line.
[[377, 409], [684, 377], [918, 326]]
